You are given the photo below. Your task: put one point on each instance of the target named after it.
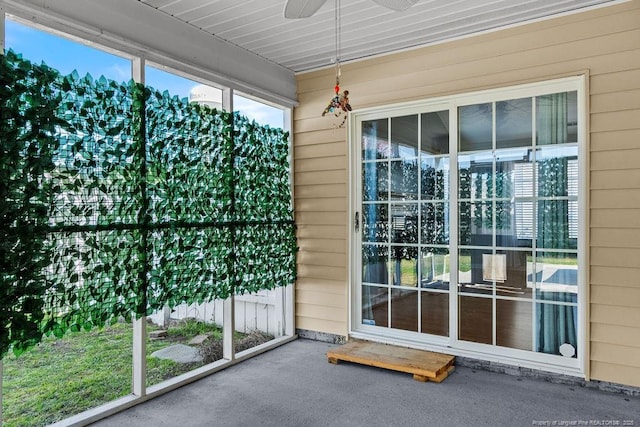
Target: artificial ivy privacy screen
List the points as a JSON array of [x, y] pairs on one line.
[[116, 199]]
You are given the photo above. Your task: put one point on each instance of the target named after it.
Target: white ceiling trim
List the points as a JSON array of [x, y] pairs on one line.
[[367, 29], [466, 36]]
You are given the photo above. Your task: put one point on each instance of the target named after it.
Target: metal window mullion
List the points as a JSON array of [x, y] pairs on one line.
[[389, 224], [228, 310], [2, 41], [356, 205], [140, 324], [454, 224], [494, 225], [420, 201], [583, 223], [534, 226], [558, 303], [1, 374]]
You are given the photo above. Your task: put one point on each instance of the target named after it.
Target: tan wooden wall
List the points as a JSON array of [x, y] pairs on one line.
[[602, 43]]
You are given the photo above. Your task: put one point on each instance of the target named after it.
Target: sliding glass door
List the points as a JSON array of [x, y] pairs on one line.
[[518, 223], [470, 222], [405, 222]]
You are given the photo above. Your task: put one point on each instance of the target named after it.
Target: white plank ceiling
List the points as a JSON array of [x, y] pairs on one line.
[[367, 29]]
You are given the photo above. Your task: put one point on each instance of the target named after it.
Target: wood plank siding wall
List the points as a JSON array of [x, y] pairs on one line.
[[603, 44]]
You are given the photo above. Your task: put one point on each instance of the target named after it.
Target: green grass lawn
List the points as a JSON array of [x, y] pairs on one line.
[[62, 377]]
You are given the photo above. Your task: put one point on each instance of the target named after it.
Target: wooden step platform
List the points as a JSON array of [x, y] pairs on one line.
[[424, 365]]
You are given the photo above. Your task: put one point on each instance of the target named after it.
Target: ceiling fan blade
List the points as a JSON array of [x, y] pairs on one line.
[[295, 9], [397, 5]]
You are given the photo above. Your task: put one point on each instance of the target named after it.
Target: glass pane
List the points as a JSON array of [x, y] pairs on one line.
[[434, 178], [476, 223], [514, 224], [521, 171], [557, 118], [63, 54], [504, 221], [523, 222], [556, 329], [404, 137], [475, 127], [475, 272], [375, 139], [375, 222], [435, 313], [572, 116], [435, 133], [556, 276], [513, 273], [374, 264], [404, 179], [435, 223], [375, 306], [475, 176], [557, 171], [464, 266], [375, 181], [404, 309], [255, 110], [573, 224], [435, 268], [464, 223], [514, 173], [557, 224], [475, 319], [513, 123], [404, 223], [404, 265], [514, 324]]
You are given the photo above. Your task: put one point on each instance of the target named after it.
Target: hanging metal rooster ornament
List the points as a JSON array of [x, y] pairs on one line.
[[339, 103]]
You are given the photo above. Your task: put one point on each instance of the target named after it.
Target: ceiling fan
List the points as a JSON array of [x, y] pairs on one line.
[[295, 9]]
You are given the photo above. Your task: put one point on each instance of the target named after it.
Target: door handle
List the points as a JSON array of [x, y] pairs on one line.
[[356, 221]]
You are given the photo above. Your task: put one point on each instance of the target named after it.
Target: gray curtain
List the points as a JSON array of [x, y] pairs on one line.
[[557, 324]]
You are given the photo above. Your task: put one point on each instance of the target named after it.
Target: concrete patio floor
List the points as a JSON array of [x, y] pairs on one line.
[[294, 385]]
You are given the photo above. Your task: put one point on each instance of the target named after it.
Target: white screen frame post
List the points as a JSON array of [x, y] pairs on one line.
[[2, 25], [228, 323], [288, 311], [139, 375]]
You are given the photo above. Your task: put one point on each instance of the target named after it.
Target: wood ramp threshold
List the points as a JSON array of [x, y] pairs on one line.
[[424, 365]]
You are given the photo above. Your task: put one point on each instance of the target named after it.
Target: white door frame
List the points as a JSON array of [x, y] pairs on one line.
[[451, 344]]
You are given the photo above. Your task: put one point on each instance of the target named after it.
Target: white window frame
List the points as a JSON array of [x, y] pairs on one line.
[[557, 364]]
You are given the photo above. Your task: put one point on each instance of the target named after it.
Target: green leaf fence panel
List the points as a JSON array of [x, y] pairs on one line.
[[27, 126], [97, 174], [264, 240], [92, 279], [188, 151], [265, 256], [189, 265], [261, 172], [118, 200]]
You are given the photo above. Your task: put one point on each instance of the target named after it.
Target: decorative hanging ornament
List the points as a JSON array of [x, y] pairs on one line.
[[339, 104]]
